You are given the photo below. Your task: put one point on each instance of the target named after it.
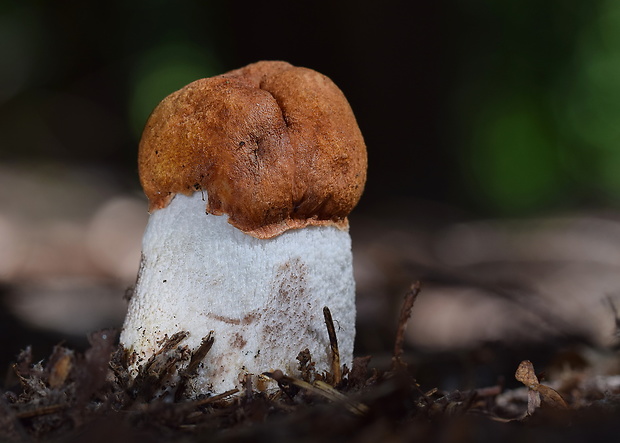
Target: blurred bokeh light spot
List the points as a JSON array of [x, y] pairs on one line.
[[163, 70], [17, 51], [114, 236], [589, 109], [514, 158]]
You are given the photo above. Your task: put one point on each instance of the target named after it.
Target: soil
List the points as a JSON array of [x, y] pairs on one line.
[[76, 396]]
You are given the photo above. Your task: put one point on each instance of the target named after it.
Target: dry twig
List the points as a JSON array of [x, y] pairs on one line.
[[321, 389], [405, 313], [333, 343]]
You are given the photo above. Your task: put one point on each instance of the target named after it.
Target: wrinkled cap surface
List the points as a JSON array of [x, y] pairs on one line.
[[274, 146]]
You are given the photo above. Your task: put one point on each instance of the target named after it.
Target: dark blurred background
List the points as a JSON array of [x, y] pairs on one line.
[[497, 108], [493, 133]]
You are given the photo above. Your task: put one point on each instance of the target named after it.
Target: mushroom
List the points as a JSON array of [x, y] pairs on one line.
[[250, 177]]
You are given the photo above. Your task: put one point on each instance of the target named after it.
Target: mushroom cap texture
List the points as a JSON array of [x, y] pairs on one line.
[[275, 146]]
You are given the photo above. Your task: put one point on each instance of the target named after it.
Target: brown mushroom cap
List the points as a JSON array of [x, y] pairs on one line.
[[275, 146]]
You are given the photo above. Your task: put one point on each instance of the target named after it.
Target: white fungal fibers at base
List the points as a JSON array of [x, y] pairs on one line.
[[263, 299]]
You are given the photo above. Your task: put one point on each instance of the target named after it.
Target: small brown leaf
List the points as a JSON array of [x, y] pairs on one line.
[[551, 397], [538, 394], [60, 370], [526, 375]]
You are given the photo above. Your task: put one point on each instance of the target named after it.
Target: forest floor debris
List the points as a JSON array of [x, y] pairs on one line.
[[73, 396]]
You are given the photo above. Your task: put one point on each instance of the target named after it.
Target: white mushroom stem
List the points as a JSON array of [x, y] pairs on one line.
[[263, 299]]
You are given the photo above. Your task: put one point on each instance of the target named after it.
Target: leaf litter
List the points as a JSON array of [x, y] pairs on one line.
[[74, 396]]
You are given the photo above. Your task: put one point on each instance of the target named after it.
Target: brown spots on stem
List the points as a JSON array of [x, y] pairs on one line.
[[288, 309], [238, 341], [247, 320]]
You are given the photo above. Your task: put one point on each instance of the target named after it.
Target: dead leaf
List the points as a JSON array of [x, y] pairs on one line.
[[60, 371], [551, 397], [538, 394], [526, 375]]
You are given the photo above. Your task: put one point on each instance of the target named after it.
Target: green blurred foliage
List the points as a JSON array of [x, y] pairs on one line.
[[589, 111], [508, 107], [79, 79], [538, 104], [162, 70], [514, 156]]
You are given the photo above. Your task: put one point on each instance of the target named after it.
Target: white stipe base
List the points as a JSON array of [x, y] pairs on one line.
[[263, 299]]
